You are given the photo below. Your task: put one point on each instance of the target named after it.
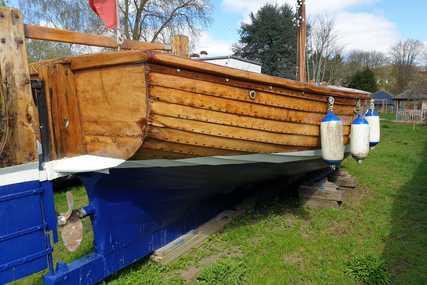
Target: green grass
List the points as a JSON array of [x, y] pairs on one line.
[[382, 239], [388, 116]]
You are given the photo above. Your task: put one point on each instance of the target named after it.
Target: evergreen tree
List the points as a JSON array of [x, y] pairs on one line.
[[270, 39], [364, 80], [3, 3]]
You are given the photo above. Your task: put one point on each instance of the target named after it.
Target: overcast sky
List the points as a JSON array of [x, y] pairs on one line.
[[361, 24]]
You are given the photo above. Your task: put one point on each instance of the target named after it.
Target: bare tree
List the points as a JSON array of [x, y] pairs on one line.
[[359, 60], [322, 45], [404, 57], [157, 20], [147, 20]]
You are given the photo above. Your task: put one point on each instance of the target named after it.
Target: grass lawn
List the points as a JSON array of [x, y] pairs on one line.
[[381, 240]]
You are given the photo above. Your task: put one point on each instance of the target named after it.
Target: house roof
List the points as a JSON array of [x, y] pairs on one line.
[[381, 95], [412, 95]]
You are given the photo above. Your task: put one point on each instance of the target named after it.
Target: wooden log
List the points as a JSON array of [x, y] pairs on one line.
[[56, 35], [180, 46], [195, 238], [19, 141]]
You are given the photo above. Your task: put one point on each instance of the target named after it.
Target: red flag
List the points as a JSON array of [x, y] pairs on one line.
[[106, 10]]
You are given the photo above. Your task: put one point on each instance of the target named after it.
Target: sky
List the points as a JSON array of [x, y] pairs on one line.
[[360, 24]]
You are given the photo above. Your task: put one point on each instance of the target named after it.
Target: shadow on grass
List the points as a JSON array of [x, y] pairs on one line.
[[272, 197], [406, 246]]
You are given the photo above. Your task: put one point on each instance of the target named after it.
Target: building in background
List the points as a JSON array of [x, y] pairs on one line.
[[233, 62], [384, 101], [411, 106], [409, 100]]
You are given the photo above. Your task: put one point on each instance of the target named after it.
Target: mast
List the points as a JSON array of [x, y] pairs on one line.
[[301, 41]]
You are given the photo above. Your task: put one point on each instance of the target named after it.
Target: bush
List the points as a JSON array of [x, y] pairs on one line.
[[370, 270]]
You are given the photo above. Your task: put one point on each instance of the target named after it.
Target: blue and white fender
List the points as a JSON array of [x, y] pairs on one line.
[[359, 138], [331, 136], [373, 119]]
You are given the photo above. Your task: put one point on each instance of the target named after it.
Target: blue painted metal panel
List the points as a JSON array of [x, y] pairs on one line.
[[138, 210], [27, 217]]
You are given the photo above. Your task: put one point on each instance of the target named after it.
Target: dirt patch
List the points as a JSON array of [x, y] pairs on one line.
[[190, 274], [337, 229], [293, 259]]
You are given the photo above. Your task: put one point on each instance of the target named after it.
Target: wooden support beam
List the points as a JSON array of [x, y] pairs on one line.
[[64, 36], [302, 42], [20, 115], [195, 238], [180, 46]]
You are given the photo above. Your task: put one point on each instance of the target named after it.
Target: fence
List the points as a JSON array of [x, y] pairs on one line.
[[412, 115]]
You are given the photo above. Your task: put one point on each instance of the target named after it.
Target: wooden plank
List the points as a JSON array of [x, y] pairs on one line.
[[117, 147], [181, 46], [195, 238], [234, 132], [186, 112], [19, 138], [239, 108], [240, 94], [108, 104], [65, 112], [190, 138], [106, 59], [118, 128], [316, 191], [113, 94], [251, 76], [192, 151], [264, 87], [320, 203], [56, 35]]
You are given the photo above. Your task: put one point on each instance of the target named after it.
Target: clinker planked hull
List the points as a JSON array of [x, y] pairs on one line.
[[145, 105]]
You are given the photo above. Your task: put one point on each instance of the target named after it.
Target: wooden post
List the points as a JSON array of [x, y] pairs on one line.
[[20, 116], [180, 46], [301, 42]]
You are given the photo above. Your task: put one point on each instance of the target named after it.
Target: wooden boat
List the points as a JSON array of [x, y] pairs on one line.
[[141, 105]]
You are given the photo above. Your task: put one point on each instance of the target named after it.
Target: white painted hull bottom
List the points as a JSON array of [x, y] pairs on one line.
[[90, 163]]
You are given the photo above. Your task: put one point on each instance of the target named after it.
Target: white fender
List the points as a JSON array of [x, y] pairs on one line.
[[359, 138], [374, 127], [332, 141]]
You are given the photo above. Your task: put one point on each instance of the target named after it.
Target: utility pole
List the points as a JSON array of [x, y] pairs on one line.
[[301, 41]]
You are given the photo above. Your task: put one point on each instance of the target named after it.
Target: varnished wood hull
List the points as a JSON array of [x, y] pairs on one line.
[[142, 105]]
